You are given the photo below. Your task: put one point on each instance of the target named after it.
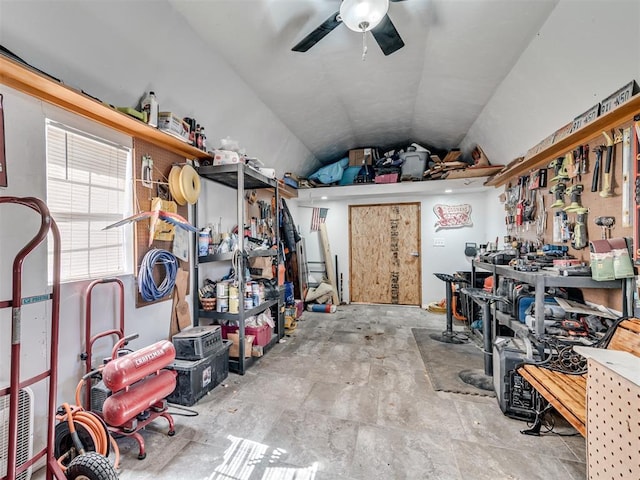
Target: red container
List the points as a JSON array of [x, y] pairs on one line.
[[388, 178], [262, 333]]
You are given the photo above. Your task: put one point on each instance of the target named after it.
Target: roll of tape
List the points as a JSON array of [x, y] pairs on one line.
[[174, 185], [190, 184]]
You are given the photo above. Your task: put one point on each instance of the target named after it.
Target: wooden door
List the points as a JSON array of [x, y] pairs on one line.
[[384, 242]]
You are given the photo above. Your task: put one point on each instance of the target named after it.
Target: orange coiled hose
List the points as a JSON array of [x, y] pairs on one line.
[[93, 426]]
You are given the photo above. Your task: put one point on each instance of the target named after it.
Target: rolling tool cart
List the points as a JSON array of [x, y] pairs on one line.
[[89, 466]]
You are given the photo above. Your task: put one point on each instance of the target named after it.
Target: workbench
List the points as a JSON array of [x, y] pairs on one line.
[[541, 280]]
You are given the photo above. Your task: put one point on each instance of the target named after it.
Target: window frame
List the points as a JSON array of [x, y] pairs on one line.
[[104, 137]]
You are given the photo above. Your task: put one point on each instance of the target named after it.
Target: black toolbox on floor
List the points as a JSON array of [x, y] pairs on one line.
[[196, 378], [197, 342]]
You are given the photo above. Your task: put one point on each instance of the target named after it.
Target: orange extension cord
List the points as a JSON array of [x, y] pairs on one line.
[[92, 424]]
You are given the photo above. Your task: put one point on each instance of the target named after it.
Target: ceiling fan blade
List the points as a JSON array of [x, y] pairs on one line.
[[318, 34], [387, 36]]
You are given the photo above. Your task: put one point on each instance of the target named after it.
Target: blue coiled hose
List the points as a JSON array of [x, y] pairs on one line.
[[149, 291]]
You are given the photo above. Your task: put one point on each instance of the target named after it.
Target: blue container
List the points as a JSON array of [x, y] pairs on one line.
[[288, 293]]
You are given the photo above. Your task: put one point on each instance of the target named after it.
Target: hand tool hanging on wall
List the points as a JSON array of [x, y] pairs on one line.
[[541, 218], [606, 223], [570, 160], [584, 166], [559, 169], [579, 157], [607, 190], [520, 204], [580, 239], [575, 192], [595, 180], [626, 177], [558, 191]]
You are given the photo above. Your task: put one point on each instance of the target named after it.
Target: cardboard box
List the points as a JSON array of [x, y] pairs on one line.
[[225, 157], [360, 156], [174, 125], [234, 351]]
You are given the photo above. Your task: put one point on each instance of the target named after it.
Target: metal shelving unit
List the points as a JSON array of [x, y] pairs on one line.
[[541, 280], [240, 178]]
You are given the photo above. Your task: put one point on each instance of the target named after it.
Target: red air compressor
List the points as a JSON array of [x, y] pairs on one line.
[[132, 391]]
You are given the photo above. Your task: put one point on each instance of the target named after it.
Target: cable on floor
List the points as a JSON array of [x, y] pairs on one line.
[[189, 412]]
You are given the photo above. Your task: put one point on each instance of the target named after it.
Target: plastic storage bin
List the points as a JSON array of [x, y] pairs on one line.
[[197, 342], [196, 378], [415, 163]]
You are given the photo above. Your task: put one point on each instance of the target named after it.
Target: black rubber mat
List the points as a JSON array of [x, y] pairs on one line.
[[444, 362]]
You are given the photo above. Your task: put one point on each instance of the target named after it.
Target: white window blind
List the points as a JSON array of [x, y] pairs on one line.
[[86, 191]]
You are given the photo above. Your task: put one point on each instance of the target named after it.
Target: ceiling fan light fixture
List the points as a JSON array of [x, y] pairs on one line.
[[363, 15]]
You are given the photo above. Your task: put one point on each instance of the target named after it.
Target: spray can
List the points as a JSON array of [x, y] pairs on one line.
[[150, 105]]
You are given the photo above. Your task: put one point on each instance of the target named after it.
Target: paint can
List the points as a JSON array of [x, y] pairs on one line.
[[248, 303], [234, 304], [222, 305], [233, 291], [222, 289], [203, 243]]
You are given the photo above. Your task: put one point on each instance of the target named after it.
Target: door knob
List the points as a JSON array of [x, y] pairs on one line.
[[415, 254]]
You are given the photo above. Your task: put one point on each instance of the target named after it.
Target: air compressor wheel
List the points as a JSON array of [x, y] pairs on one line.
[[91, 466]]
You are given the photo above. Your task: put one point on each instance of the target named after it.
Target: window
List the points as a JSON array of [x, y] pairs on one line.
[[87, 189]]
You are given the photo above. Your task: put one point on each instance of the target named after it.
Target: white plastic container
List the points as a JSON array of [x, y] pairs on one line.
[[150, 105]]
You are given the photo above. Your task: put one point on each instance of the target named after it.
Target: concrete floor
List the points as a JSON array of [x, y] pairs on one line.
[[347, 397]]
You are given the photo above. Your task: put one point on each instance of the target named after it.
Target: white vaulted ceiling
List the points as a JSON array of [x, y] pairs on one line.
[[431, 91]]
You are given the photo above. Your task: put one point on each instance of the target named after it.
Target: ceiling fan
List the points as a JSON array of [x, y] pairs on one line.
[[359, 16]]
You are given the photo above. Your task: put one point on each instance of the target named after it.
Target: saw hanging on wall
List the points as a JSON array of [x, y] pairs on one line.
[[360, 16]]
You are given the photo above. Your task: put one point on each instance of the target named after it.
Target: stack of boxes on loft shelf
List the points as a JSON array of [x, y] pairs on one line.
[[410, 163]]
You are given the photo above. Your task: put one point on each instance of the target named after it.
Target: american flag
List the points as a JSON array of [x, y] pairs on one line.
[[319, 216]]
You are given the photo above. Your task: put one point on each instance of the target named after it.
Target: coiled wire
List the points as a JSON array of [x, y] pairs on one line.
[[147, 287]]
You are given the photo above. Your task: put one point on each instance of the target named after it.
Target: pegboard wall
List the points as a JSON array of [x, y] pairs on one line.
[[613, 425], [597, 205], [163, 160]]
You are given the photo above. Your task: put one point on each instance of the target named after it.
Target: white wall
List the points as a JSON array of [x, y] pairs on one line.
[[447, 259], [584, 52]]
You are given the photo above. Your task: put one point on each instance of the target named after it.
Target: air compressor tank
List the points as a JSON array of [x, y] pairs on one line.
[[128, 369], [121, 407]]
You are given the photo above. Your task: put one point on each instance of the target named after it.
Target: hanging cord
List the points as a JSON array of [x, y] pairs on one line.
[[237, 265], [146, 285], [364, 44]]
